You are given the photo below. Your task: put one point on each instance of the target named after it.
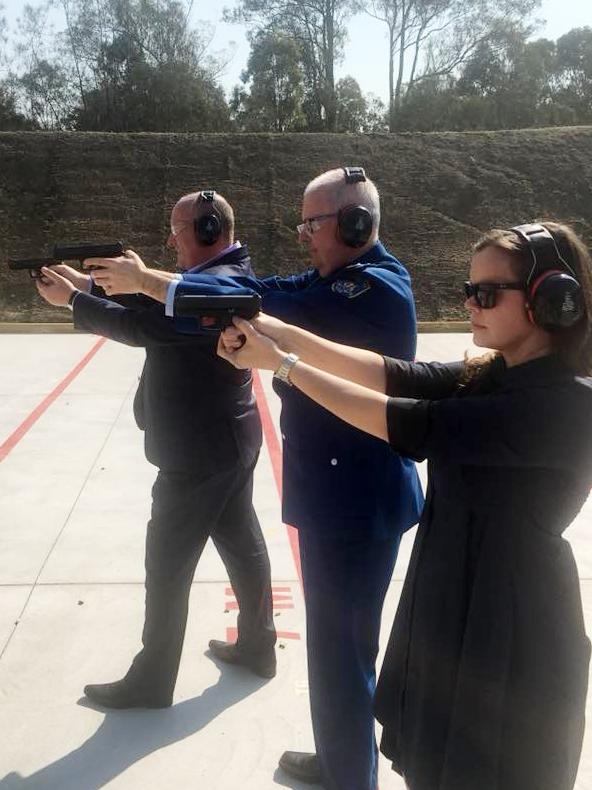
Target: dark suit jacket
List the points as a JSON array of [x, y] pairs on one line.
[[198, 412]]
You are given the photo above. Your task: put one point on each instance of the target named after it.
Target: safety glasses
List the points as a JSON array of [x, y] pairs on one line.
[[485, 294]]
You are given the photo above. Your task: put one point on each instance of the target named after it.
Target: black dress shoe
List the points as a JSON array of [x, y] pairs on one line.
[[302, 765], [121, 695], [262, 664]]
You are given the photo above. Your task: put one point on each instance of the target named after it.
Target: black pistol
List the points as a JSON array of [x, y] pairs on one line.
[[66, 252], [214, 313], [79, 252], [32, 265]]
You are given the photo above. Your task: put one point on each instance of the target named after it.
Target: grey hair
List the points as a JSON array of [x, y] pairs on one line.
[[341, 194]]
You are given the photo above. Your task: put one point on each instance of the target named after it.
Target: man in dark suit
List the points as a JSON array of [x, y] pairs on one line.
[[203, 432]]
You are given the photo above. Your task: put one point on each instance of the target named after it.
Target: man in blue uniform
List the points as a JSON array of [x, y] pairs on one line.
[[349, 496], [203, 432]]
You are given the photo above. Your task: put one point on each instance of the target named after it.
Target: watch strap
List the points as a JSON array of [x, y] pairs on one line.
[[283, 372]]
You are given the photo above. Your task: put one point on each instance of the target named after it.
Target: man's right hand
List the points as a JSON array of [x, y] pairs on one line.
[[123, 275], [78, 279]]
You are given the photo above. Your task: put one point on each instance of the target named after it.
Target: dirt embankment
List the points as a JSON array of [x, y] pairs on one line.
[[439, 192]]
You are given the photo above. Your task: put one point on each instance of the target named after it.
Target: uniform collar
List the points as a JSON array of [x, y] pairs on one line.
[[376, 253]]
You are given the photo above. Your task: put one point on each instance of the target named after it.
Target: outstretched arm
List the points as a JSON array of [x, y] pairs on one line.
[[128, 274], [354, 364], [358, 405]]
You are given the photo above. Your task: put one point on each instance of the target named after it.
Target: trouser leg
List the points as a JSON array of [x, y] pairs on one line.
[[238, 538], [344, 587], [183, 511]]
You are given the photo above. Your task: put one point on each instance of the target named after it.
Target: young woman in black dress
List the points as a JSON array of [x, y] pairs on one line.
[[484, 681]]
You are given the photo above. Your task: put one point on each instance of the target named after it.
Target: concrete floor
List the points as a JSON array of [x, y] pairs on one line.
[[74, 499]]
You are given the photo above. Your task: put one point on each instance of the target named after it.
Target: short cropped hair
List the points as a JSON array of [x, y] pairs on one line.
[[341, 194], [221, 207]]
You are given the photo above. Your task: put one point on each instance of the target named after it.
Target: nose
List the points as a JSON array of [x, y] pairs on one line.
[[170, 242], [471, 305], [303, 236]]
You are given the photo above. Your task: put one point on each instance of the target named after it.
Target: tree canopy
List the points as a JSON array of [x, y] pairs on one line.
[[139, 65]]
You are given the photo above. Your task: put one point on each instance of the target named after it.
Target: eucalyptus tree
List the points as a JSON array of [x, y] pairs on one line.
[[430, 39], [318, 27]]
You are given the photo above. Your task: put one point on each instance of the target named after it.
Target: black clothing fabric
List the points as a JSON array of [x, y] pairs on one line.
[[485, 676], [186, 510], [196, 410], [203, 431]]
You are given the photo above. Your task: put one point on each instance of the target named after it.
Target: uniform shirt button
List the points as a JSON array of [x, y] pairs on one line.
[[333, 461]]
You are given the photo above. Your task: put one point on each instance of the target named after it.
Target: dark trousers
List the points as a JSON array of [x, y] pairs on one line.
[[345, 582], [186, 511]]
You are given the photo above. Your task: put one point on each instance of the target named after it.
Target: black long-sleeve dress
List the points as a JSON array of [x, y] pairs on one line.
[[484, 681]]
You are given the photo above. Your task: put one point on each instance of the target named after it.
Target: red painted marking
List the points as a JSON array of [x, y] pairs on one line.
[[230, 606], [275, 454], [39, 410], [232, 635], [274, 589]]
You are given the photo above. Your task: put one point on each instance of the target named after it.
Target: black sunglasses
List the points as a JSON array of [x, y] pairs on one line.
[[485, 293]]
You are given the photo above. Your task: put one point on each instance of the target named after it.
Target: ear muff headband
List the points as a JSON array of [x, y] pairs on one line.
[[554, 296], [208, 226], [353, 175]]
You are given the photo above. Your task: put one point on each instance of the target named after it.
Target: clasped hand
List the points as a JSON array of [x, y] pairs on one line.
[[122, 275], [245, 345]]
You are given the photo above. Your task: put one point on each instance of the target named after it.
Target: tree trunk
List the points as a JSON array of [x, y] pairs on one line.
[[330, 101], [401, 66], [391, 78]]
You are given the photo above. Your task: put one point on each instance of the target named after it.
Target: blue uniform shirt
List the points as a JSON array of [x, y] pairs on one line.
[[336, 478]]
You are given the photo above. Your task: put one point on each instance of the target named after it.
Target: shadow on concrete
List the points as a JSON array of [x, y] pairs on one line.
[[125, 737]]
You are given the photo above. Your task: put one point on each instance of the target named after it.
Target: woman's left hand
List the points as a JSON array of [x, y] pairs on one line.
[[257, 350]]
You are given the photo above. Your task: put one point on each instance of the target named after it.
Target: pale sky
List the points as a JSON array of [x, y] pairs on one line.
[[366, 49]]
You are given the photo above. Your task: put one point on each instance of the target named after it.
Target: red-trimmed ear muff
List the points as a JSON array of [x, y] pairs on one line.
[[555, 301]]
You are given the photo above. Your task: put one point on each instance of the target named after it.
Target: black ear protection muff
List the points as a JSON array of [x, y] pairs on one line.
[[553, 294], [354, 223], [208, 227]]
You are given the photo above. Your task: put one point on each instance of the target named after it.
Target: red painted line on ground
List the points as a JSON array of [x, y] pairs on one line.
[[232, 635], [274, 590], [39, 410], [230, 606], [275, 453]]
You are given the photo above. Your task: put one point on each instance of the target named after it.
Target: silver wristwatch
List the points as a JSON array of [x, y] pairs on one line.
[[283, 372]]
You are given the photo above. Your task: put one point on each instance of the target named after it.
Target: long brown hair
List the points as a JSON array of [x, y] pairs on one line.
[[573, 346]]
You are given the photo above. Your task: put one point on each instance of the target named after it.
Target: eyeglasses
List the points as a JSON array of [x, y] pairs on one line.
[[178, 227], [312, 224], [484, 294]]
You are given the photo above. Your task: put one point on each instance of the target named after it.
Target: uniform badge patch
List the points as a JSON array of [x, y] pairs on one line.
[[350, 288]]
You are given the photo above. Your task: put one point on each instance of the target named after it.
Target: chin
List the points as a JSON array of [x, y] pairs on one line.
[[480, 337]]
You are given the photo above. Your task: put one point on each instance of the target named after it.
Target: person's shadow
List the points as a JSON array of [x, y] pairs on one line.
[[124, 737]]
